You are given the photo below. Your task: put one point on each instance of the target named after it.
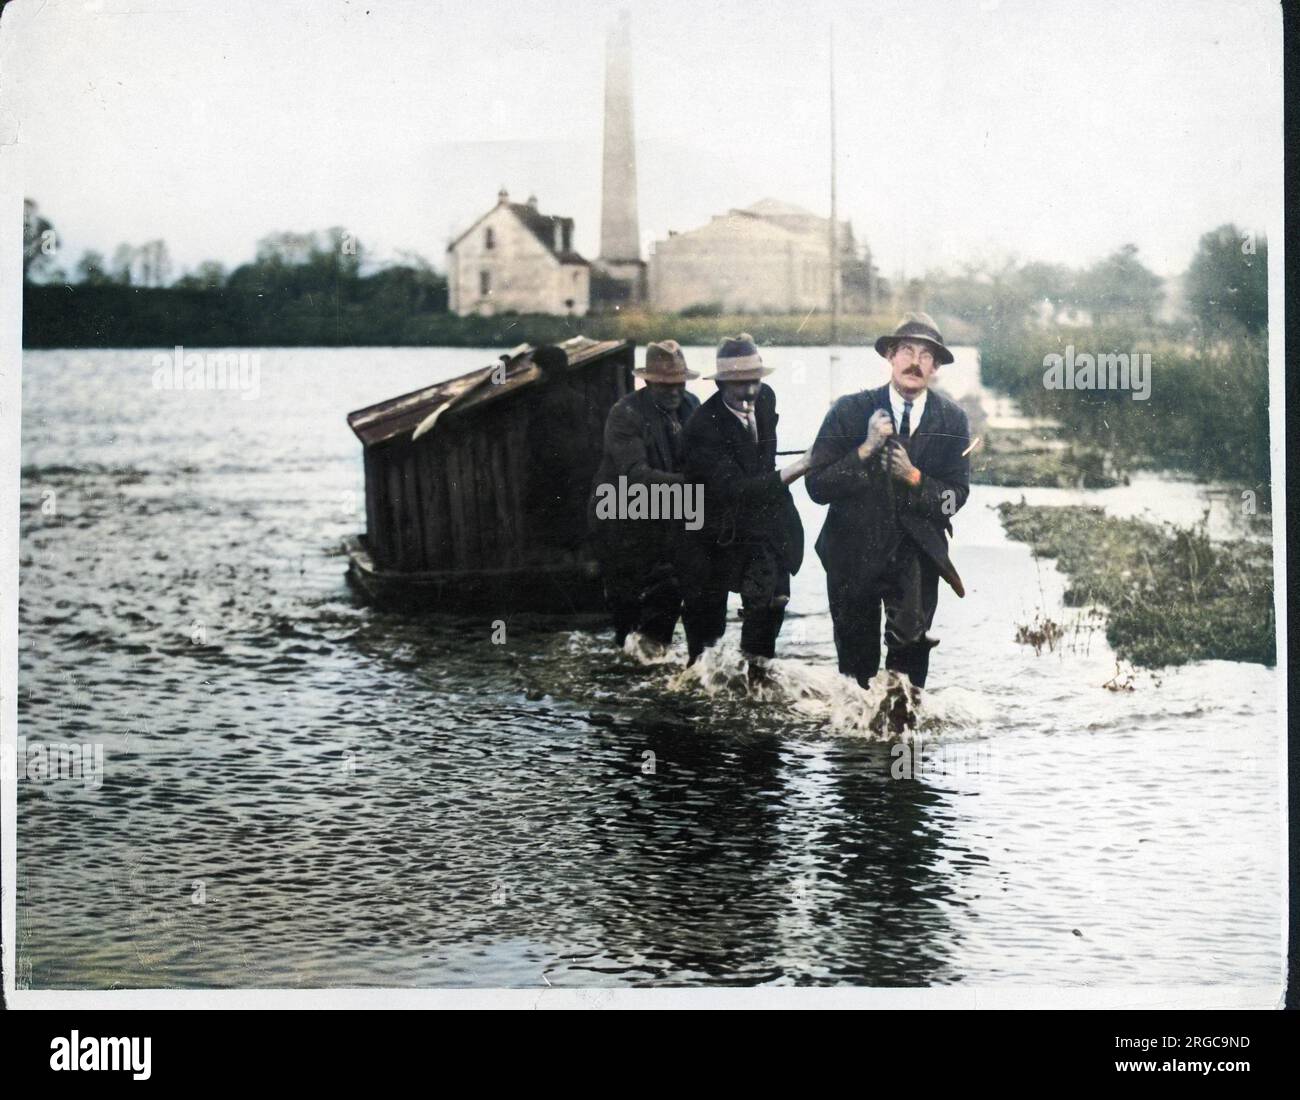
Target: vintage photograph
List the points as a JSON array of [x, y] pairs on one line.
[[611, 497]]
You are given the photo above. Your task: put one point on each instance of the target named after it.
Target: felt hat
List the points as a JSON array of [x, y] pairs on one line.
[[665, 362], [916, 326], [738, 360]]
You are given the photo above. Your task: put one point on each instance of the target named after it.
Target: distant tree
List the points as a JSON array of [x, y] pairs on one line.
[[123, 267], [859, 281], [92, 270], [209, 275], [410, 286], [1121, 285], [40, 244], [993, 298], [914, 294], [153, 265], [326, 261], [1041, 282], [1227, 282]]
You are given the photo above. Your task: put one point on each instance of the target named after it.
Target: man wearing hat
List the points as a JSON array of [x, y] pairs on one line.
[[891, 463], [643, 443], [752, 538]]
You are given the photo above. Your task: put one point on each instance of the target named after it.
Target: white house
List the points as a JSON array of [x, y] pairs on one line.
[[514, 258]]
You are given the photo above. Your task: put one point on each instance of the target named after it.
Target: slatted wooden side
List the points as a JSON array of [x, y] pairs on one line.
[[432, 473], [457, 499], [376, 528], [503, 497]]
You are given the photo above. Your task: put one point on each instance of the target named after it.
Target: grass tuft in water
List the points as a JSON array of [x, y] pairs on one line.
[[1173, 595]]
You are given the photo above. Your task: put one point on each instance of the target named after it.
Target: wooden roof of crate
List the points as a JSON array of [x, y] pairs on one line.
[[400, 416]]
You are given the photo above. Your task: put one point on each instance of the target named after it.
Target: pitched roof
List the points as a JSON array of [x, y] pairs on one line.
[[542, 226], [398, 416], [739, 223], [769, 208]]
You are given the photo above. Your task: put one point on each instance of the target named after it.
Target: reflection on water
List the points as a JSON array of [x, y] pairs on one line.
[[301, 792]]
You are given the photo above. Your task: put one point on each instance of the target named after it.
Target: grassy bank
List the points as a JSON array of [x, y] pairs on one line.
[[1172, 595], [137, 317]]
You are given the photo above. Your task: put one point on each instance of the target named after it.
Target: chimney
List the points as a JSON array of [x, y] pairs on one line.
[[532, 201], [503, 196], [620, 235]]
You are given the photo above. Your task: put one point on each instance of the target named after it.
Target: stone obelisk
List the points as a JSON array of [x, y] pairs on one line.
[[620, 233]]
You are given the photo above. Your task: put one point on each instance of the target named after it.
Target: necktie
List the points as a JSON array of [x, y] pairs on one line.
[[905, 428], [752, 425]]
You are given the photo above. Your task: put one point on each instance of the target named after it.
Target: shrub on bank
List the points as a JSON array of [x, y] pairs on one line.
[[1206, 414]]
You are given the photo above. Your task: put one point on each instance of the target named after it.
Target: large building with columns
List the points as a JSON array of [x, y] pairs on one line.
[[769, 257]]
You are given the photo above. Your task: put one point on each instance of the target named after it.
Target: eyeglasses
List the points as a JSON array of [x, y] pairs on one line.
[[919, 352]]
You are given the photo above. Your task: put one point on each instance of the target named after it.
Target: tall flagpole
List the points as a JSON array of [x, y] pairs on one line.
[[835, 237]]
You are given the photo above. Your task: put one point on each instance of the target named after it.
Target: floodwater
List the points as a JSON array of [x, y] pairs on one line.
[[300, 792]]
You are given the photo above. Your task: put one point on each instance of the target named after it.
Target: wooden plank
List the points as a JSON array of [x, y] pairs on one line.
[[413, 510], [507, 533], [490, 535], [457, 528], [393, 490], [374, 523], [433, 479], [386, 547]]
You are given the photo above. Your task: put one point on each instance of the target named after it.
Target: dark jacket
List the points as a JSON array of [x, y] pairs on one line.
[[744, 499], [641, 445], [869, 510]]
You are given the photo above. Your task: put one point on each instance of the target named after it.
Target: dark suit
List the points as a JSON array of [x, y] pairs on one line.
[[642, 442], [885, 542], [752, 538]]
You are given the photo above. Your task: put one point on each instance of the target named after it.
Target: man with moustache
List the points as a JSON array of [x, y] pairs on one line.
[[891, 463], [752, 538], [643, 442]]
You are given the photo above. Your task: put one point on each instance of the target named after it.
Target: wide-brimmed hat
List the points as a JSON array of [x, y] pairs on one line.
[[665, 362], [916, 326], [739, 361]]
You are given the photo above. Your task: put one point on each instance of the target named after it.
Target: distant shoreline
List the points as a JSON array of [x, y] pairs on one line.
[[77, 317]]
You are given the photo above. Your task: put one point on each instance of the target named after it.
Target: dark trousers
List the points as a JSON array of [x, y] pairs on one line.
[[908, 590], [710, 573], [642, 597]]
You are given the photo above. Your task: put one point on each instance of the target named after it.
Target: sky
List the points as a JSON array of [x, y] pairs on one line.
[[968, 130]]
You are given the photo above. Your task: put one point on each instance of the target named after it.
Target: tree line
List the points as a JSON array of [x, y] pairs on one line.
[[322, 286]]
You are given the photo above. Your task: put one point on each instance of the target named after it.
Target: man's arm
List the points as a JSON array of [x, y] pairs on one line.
[[710, 461], [944, 487], [841, 467], [625, 444]]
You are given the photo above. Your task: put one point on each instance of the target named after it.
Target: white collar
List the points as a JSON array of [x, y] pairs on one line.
[[739, 415], [918, 407]]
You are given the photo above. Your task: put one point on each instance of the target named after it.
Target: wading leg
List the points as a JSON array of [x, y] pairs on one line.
[[855, 617], [702, 574], [764, 592], [661, 604], [909, 611]]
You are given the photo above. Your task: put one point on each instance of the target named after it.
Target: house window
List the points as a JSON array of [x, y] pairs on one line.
[[489, 238], [484, 283]]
